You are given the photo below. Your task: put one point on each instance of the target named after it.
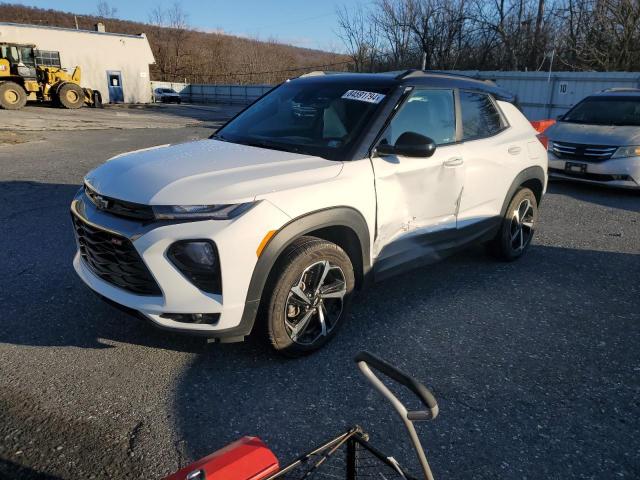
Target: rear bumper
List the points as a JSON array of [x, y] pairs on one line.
[[621, 173]]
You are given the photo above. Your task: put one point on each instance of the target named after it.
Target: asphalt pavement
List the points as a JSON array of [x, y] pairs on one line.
[[535, 364]]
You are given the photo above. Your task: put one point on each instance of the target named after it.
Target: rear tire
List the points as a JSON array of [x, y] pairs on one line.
[[517, 227], [12, 96], [71, 96], [310, 294]]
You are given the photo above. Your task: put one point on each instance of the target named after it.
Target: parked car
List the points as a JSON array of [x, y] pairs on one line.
[[166, 95], [320, 187], [598, 140]]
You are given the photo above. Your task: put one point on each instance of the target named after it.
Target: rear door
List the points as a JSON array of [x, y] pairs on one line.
[[494, 153], [417, 198]]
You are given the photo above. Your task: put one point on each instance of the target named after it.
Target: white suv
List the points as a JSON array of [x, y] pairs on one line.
[[327, 182]]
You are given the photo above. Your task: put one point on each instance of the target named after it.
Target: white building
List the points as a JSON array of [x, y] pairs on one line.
[[117, 65]]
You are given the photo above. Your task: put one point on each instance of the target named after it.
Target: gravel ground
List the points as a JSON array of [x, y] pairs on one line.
[[536, 364], [48, 118]]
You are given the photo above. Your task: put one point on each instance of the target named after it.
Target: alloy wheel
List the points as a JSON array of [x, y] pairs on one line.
[[314, 304], [521, 228]]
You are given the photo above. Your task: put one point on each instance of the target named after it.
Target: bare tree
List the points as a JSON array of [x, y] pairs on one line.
[[439, 28], [173, 36], [360, 37], [104, 10], [393, 19]]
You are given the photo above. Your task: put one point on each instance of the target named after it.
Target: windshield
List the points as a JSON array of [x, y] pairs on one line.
[[606, 111], [307, 117]]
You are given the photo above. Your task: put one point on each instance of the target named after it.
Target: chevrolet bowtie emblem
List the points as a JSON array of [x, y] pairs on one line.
[[101, 203]]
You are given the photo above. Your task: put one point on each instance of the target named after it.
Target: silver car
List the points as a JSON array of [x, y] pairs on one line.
[[598, 140]]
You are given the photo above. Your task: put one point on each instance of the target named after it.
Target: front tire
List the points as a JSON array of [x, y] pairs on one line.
[[517, 227], [71, 96], [311, 292]]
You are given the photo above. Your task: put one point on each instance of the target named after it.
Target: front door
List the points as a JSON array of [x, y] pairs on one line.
[[114, 79], [418, 198]]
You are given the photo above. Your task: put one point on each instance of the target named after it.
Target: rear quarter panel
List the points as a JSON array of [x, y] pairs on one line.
[[493, 163]]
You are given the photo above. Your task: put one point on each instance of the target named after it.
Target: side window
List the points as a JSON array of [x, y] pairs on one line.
[[480, 118], [427, 112]]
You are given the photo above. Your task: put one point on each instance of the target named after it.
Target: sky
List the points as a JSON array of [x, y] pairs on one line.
[[304, 23]]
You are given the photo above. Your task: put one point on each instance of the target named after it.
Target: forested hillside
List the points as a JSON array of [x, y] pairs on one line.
[[183, 53]]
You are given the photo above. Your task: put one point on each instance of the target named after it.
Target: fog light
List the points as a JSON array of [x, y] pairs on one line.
[[200, 253], [207, 318], [198, 261]]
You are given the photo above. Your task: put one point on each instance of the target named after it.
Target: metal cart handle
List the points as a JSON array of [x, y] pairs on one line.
[[366, 361], [423, 393]]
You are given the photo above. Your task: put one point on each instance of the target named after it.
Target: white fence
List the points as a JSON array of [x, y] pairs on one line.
[[541, 95], [203, 93]]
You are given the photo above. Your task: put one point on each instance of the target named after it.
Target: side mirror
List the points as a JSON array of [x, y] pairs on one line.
[[409, 144]]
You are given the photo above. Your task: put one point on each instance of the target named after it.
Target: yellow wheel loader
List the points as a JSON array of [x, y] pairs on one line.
[[30, 74]]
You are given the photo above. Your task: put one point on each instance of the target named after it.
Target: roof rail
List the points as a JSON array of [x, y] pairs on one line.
[[419, 73], [620, 89], [319, 73]]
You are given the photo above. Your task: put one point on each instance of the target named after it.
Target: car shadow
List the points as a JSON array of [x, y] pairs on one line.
[[12, 471], [598, 194], [44, 303], [525, 359]]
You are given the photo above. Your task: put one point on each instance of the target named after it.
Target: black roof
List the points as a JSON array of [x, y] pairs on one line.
[[410, 78]]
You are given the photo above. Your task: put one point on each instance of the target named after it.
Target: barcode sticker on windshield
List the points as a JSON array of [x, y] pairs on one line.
[[369, 97]]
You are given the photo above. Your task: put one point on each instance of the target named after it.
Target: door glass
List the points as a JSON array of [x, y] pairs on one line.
[[27, 56], [115, 81], [480, 118], [427, 112]]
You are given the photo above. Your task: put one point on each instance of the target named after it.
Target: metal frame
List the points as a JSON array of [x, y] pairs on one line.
[[406, 416], [350, 440]]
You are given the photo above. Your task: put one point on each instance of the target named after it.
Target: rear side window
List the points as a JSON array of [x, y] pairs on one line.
[[480, 117]]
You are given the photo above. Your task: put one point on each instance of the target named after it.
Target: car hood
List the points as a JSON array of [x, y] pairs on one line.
[[206, 172], [594, 134]]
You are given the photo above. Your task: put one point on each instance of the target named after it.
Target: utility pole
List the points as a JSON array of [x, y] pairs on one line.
[[76, 19], [424, 60]]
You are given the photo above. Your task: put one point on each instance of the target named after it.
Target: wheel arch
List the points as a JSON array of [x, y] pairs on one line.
[[344, 226], [532, 178]]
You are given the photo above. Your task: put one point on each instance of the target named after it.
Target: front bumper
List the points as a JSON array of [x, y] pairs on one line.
[[236, 241], [619, 172]]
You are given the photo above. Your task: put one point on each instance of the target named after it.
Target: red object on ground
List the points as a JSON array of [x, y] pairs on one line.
[[245, 459], [542, 125]]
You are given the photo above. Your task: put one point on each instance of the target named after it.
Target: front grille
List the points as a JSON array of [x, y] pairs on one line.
[[585, 153], [114, 259], [119, 208]]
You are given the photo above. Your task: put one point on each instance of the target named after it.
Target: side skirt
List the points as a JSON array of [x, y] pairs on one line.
[[416, 250]]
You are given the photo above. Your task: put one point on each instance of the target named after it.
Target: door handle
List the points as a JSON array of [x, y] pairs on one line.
[[514, 150], [453, 162]]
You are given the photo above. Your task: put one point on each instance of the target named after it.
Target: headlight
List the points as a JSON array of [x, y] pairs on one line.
[[631, 151], [214, 212]]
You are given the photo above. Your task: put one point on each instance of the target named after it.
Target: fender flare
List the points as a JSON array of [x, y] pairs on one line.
[[531, 173], [330, 217]]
